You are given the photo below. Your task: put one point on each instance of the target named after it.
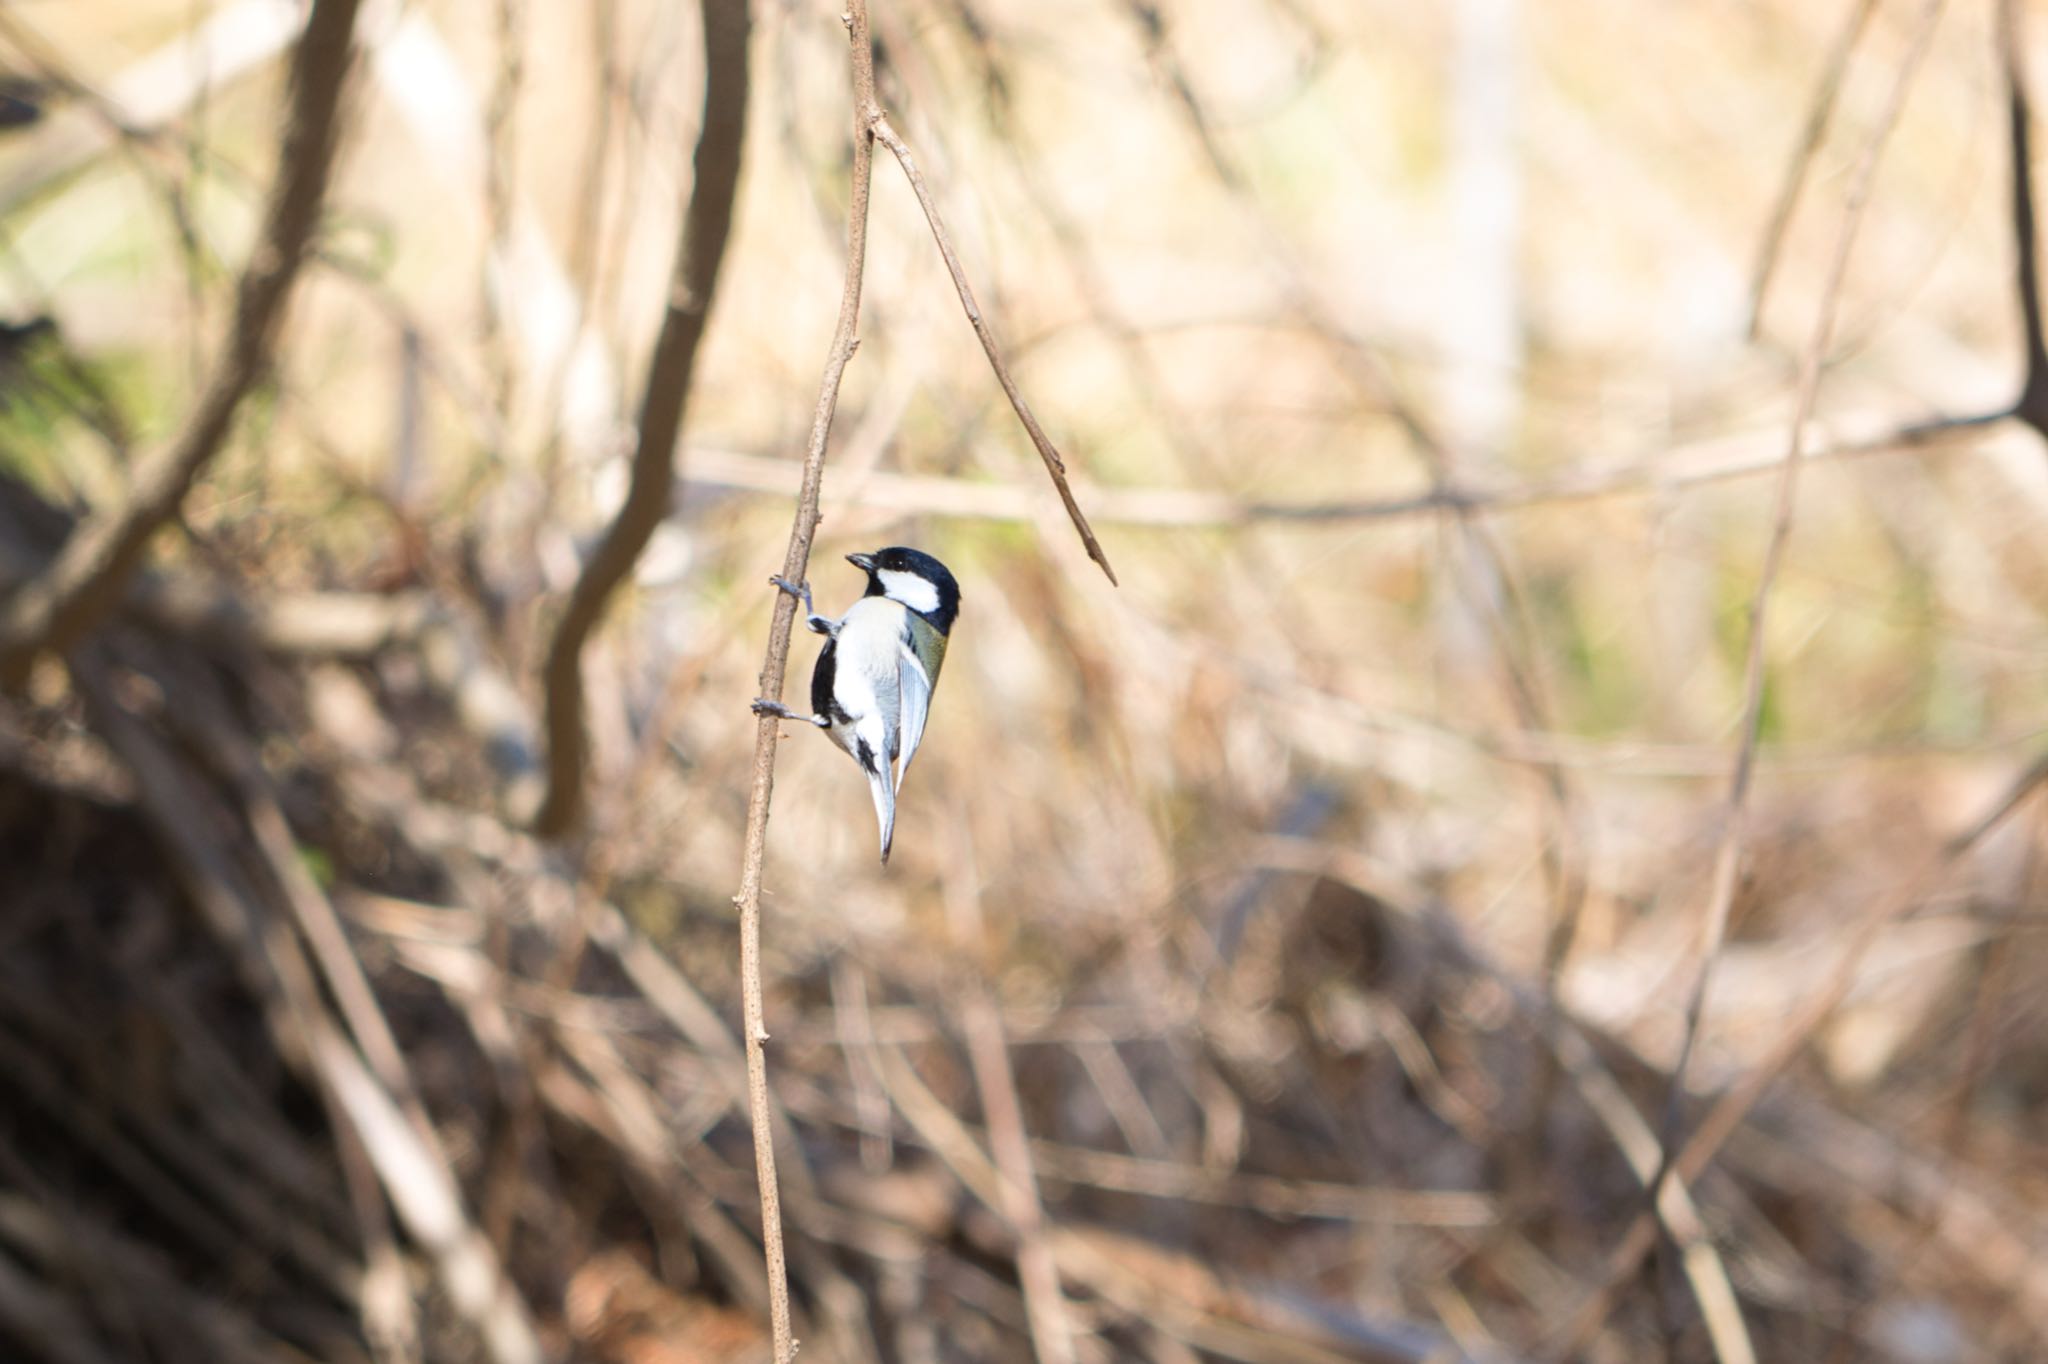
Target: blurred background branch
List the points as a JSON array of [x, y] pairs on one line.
[[707, 222], [72, 595]]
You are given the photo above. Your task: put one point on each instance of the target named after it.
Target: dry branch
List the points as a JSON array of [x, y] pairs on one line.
[[1705, 1271], [1353, 1108], [1566, 1339], [707, 223], [1697, 464], [795, 561], [396, 1136], [2031, 406], [86, 579], [1486, 586], [1729, 854], [1818, 114], [1047, 1315], [878, 124]]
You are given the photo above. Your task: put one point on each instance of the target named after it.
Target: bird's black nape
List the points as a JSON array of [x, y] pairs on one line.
[[901, 559]]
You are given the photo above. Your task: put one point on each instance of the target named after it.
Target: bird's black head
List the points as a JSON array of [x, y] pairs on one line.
[[915, 579]]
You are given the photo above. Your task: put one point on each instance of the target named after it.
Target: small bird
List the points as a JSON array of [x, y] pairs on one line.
[[872, 687]]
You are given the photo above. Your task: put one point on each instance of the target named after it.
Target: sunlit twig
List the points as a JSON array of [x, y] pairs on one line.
[[1728, 856], [1823, 108], [878, 124], [775, 665]]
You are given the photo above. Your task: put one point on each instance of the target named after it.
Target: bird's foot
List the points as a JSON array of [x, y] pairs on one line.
[[763, 706], [801, 591], [819, 625]]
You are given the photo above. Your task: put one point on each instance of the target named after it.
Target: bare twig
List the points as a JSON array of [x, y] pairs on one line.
[[878, 124], [1487, 586], [1009, 1141], [1717, 460], [795, 561], [501, 161], [1728, 857], [707, 223], [1566, 1340], [143, 98], [1704, 1269], [1802, 160], [87, 577], [1045, 1309], [2032, 405]]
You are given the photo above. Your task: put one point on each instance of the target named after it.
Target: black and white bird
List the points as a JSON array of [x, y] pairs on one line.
[[872, 688]]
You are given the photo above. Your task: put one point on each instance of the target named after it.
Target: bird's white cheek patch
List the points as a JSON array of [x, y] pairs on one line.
[[914, 592]]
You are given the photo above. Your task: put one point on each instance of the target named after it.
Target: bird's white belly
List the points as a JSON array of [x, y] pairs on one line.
[[870, 638], [865, 683]]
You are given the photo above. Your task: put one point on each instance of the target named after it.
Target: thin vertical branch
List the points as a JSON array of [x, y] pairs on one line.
[[2032, 404], [795, 562], [1566, 1340], [1492, 583], [88, 575], [707, 223], [501, 161], [1728, 857], [1824, 99]]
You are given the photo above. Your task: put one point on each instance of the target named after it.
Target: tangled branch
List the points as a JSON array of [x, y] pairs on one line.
[[86, 579]]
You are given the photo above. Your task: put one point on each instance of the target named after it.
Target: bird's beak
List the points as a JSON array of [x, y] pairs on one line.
[[864, 562]]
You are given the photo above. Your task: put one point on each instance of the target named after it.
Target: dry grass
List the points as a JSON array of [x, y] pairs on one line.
[[1285, 955]]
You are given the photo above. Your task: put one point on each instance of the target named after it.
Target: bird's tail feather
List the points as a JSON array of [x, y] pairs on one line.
[[884, 791]]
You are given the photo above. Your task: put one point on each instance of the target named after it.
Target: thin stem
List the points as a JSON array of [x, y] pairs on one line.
[[878, 124], [1728, 857], [1817, 117], [794, 565], [2032, 404], [1683, 1160], [1568, 1340]]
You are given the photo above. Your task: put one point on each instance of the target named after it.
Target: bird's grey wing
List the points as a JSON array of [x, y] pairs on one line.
[[915, 683]]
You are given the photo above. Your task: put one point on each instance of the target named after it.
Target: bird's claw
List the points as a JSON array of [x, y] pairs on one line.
[[817, 624], [763, 706], [801, 591]]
